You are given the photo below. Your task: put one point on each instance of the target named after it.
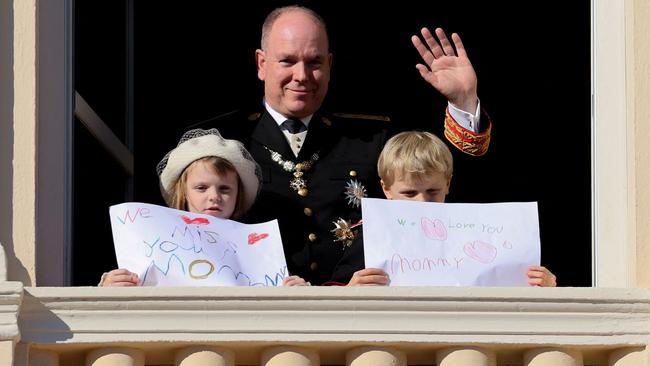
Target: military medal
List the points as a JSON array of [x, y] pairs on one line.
[[354, 192], [343, 229], [298, 183], [343, 232]]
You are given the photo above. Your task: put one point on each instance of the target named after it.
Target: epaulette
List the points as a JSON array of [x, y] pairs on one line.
[[254, 116], [371, 117]]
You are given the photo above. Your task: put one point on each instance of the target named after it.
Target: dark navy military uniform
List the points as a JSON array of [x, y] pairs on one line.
[[348, 149]]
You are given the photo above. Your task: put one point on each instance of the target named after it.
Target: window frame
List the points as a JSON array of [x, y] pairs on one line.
[[613, 195]]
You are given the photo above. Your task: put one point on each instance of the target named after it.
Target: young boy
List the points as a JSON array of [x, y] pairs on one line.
[[413, 166]]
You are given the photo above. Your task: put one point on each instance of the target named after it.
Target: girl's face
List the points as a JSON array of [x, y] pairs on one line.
[[208, 192]]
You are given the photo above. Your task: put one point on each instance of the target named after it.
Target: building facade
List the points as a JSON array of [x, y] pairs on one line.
[[43, 323]]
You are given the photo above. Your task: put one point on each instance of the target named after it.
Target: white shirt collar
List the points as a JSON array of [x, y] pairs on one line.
[[279, 118]]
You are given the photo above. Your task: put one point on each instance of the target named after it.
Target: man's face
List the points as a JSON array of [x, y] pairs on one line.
[[295, 66], [432, 188]]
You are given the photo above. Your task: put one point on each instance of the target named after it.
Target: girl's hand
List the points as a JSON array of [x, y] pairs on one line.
[[295, 281], [119, 278]]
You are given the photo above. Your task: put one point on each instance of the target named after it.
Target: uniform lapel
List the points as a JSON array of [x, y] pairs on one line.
[[267, 132]]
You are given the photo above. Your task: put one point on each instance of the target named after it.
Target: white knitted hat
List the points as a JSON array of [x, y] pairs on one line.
[[198, 143]]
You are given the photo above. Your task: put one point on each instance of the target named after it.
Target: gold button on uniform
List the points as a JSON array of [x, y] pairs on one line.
[[312, 237], [314, 266], [353, 173], [307, 211]]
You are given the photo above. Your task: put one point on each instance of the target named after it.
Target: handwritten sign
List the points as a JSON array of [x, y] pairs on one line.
[[451, 244], [168, 247]]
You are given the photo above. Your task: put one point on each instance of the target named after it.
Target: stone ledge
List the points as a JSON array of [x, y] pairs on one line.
[[413, 315], [11, 294]]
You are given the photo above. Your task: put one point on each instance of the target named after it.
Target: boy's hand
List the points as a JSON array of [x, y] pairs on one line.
[[369, 277], [119, 278], [540, 276], [295, 281]]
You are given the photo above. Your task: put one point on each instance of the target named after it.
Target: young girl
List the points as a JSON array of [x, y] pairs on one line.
[[205, 174]]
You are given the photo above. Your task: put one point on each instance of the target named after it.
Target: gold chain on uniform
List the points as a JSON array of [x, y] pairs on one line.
[[298, 183]]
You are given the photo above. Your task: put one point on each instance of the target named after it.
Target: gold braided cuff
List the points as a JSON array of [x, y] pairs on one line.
[[469, 142]]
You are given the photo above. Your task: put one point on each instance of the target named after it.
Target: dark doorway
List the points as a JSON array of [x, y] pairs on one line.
[[195, 61]]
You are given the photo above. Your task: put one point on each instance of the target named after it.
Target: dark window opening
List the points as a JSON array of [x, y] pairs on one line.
[[193, 62]]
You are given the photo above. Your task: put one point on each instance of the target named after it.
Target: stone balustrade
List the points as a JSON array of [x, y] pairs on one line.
[[306, 326]]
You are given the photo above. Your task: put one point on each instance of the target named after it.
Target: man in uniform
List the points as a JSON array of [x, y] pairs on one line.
[[317, 167]]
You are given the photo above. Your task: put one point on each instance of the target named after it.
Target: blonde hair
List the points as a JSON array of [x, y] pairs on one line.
[[219, 166], [415, 154]]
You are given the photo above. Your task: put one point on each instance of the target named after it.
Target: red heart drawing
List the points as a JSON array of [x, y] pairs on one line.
[[433, 229], [197, 221], [481, 251], [255, 237]]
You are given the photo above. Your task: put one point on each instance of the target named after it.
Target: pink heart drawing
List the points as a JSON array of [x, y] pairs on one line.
[[480, 251], [255, 237], [433, 229]]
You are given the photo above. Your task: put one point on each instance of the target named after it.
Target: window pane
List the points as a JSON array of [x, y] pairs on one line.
[[100, 60], [99, 182]]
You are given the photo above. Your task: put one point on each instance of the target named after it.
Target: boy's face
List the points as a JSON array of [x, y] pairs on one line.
[[432, 188]]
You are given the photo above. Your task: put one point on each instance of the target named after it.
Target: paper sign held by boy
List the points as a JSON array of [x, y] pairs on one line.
[[169, 247], [451, 244]]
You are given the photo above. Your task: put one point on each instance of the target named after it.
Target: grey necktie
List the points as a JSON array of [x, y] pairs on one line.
[[293, 125]]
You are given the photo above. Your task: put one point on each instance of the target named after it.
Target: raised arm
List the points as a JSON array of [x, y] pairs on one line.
[[447, 69]]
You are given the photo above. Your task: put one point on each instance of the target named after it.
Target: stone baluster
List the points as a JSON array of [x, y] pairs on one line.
[[552, 357], [289, 356], [202, 356], [628, 357], [375, 356], [462, 356], [115, 356]]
